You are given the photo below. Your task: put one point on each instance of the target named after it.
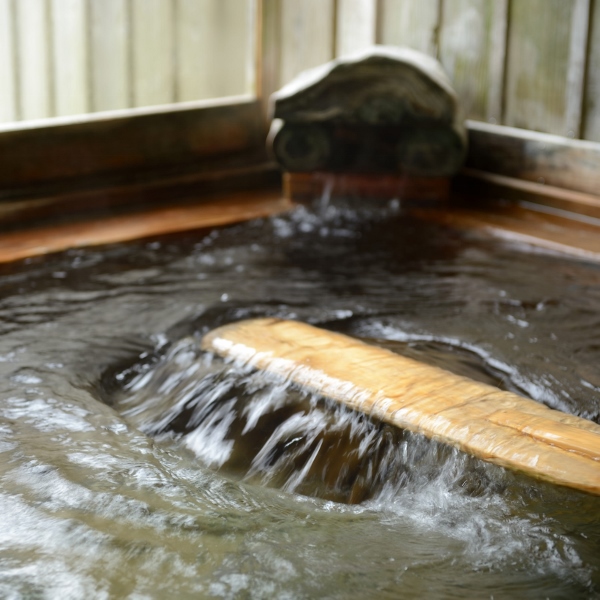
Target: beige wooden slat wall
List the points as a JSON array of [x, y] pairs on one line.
[[153, 52], [591, 129], [356, 25], [472, 50], [410, 23], [109, 48], [308, 35], [214, 46], [68, 57], [8, 63], [538, 64], [35, 79]]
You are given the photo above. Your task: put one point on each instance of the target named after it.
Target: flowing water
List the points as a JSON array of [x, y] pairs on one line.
[[134, 465]]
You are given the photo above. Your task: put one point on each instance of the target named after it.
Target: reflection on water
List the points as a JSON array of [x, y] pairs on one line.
[[135, 466]]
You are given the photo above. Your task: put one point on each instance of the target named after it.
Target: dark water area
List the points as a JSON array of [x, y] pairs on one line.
[[134, 465]]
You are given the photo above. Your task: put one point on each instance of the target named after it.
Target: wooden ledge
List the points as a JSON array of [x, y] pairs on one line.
[[210, 212], [306, 187], [496, 426]]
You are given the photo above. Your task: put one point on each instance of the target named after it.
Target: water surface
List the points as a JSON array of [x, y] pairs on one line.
[[133, 465]]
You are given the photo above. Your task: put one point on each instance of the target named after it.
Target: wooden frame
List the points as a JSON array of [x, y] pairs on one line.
[[110, 161]]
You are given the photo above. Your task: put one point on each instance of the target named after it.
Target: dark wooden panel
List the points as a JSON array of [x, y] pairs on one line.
[[128, 141], [542, 158]]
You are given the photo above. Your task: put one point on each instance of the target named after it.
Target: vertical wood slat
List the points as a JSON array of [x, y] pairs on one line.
[[34, 64], [577, 67], [268, 52], [153, 52], [410, 23], [213, 48], [8, 63], [465, 51], [70, 57], [356, 25], [497, 61], [538, 63], [473, 51], [591, 125], [109, 47], [308, 35]]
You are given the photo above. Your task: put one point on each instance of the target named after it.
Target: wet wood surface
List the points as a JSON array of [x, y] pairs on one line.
[[210, 212], [496, 426], [305, 187]]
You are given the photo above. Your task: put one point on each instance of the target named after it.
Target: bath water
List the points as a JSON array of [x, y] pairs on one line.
[[136, 466]]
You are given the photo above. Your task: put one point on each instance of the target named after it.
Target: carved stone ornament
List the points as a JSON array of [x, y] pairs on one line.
[[385, 110]]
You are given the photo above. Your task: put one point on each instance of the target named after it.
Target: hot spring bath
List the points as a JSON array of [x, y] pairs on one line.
[[134, 465]]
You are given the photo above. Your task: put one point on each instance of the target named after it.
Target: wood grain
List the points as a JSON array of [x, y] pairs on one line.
[[214, 48], [153, 52], [472, 50], [537, 157], [150, 223], [538, 65], [591, 100], [34, 52], [8, 63], [307, 38], [496, 426], [109, 47], [410, 23], [71, 57], [356, 25]]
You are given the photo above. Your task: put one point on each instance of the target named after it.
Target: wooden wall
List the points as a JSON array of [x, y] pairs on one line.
[[531, 64], [68, 57]]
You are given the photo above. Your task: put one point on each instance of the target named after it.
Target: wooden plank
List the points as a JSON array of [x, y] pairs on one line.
[[233, 208], [538, 65], [145, 140], [153, 52], [525, 224], [356, 25], [496, 426], [195, 38], [8, 63], [268, 52], [482, 188], [35, 66], [497, 62], [591, 100], [206, 29], [472, 50], [537, 157], [577, 68], [410, 23], [307, 36], [110, 60], [70, 57]]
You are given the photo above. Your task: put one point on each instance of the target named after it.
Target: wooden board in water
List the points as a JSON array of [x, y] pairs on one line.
[[494, 425]]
